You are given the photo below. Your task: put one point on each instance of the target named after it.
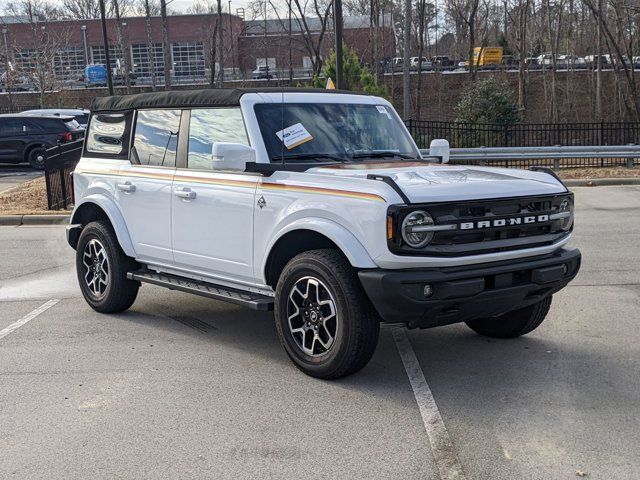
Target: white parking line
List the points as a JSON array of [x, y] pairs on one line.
[[441, 445], [27, 318]]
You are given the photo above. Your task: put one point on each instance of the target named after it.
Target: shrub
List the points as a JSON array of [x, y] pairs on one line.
[[355, 76], [487, 101]]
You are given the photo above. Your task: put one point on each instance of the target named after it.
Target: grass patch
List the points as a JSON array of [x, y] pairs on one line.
[[606, 172], [28, 198]]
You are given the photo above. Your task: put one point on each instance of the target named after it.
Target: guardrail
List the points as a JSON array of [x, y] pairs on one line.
[[553, 157], [59, 162]]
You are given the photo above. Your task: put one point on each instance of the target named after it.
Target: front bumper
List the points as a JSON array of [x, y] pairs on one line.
[[468, 292]]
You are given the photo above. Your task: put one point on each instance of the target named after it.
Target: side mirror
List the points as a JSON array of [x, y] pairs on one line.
[[440, 148], [231, 156]]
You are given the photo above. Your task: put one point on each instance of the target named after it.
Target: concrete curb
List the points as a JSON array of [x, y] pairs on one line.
[[600, 182], [18, 220]]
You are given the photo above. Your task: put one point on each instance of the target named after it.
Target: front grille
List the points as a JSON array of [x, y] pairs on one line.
[[486, 226]]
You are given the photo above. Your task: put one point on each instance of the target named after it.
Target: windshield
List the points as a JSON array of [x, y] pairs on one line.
[[335, 131]]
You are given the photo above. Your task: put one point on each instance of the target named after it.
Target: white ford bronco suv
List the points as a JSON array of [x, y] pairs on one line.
[[315, 204]]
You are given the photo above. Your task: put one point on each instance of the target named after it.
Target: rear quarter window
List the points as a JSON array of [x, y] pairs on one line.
[[108, 135]]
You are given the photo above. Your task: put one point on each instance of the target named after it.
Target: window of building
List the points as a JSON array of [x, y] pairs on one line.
[[68, 63], [108, 134], [188, 59], [269, 61], [115, 54], [156, 137], [213, 125], [27, 59], [141, 63]]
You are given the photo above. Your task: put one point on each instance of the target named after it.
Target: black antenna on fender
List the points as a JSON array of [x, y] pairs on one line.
[[282, 122]]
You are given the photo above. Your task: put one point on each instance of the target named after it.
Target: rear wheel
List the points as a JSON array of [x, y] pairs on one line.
[[102, 269], [514, 323], [36, 158], [324, 320]]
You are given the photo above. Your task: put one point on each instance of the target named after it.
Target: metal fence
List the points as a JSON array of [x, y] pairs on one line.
[[59, 163], [476, 135], [17, 108]]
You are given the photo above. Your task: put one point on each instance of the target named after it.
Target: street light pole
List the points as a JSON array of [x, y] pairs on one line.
[[337, 13], [5, 36], [105, 42], [84, 43], [233, 59]]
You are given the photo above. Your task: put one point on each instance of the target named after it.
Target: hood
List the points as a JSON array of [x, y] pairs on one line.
[[441, 183]]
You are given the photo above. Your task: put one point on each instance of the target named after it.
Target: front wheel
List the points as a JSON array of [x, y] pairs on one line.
[[324, 320], [514, 323], [102, 269]]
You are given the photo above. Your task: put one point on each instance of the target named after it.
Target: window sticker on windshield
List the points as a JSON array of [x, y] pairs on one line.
[[383, 109], [294, 136]]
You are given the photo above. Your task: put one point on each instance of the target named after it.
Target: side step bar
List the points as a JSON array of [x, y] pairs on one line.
[[252, 300]]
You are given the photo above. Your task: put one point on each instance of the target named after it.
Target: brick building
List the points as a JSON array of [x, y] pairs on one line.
[[269, 42], [68, 45], [74, 43]]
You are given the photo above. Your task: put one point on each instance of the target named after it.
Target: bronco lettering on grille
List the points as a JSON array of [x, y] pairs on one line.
[[504, 222]]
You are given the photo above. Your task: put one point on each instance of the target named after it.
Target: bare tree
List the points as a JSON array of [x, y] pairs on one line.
[[166, 46], [37, 60], [150, 47], [124, 48], [465, 14], [313, 38]]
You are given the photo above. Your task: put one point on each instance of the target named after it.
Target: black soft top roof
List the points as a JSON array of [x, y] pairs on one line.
[[213, 97]]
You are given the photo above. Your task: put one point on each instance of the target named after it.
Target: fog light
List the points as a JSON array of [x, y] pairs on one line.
[[427, 291]]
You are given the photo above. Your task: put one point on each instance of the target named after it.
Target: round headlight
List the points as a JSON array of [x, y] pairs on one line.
[[566, 207], [413, 229]]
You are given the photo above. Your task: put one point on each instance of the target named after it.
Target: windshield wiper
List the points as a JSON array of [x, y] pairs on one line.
[[319, 157], [379, 154]]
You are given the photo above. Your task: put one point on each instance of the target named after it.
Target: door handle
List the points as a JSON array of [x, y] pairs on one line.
[[185, 192], [126, 187]]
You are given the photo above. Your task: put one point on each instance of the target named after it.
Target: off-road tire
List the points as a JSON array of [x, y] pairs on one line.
[[33, 155], [358, 325], [514, 323], [120, 293]]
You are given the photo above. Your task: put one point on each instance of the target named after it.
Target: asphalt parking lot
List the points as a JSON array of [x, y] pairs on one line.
[[185, 387], [13, 175]]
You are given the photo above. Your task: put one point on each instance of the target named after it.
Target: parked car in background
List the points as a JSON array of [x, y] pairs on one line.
[[591, 61], [264, 72], [396, 64], [531, 63], [25, 138], [509, 62], [545, 60], [442, 62], [81, 115], [423, 64], [571, 62]]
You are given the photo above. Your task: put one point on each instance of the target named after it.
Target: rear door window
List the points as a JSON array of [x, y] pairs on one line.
[[156, 138], [11, 126], [109, 134]]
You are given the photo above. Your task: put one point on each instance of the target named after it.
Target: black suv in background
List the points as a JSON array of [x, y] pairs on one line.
[[25, 139]]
